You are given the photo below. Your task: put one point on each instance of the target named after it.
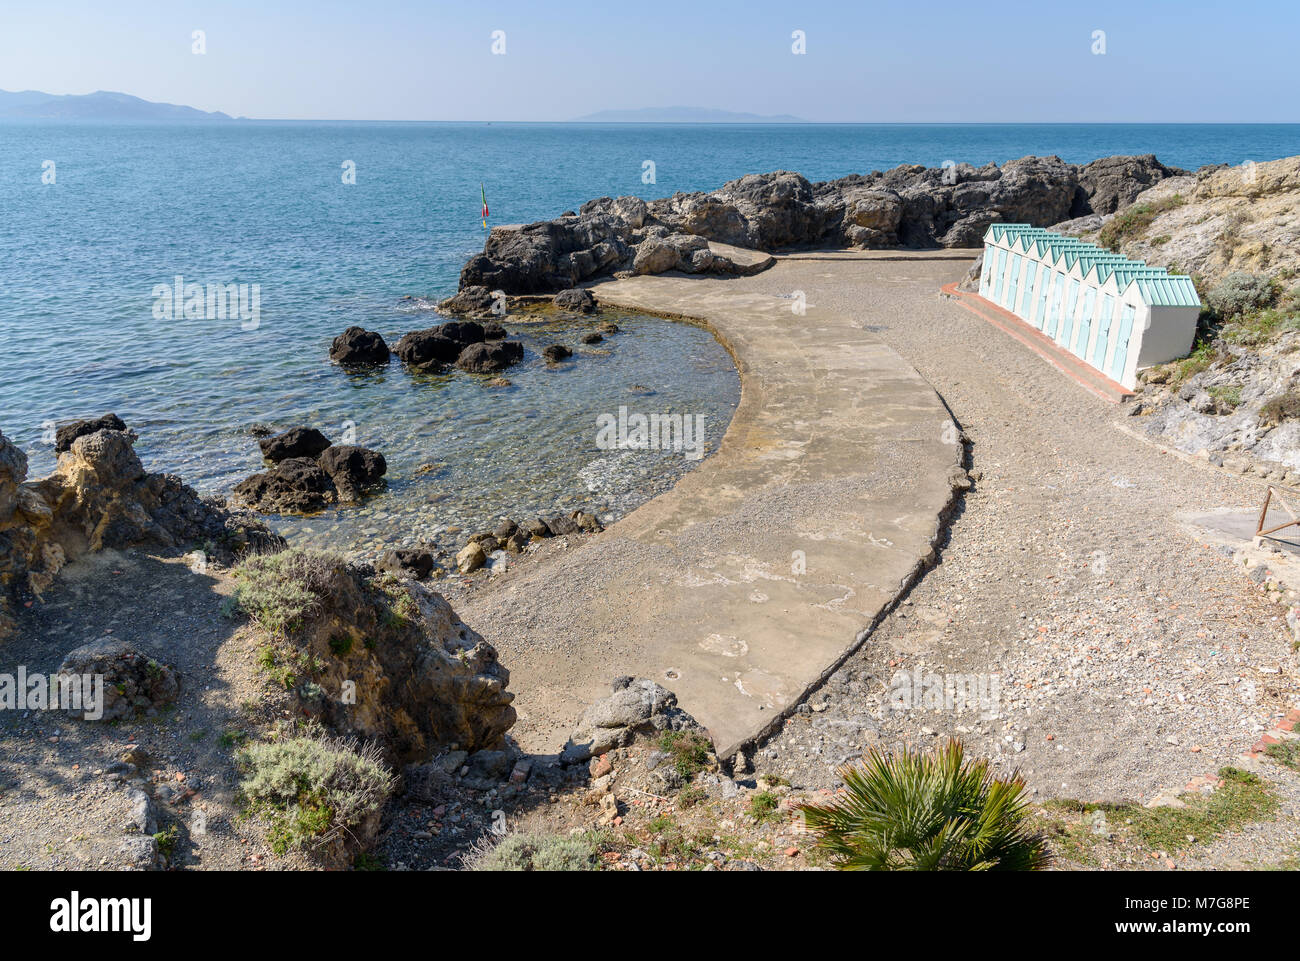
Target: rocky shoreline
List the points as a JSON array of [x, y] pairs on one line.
[[910, 206]]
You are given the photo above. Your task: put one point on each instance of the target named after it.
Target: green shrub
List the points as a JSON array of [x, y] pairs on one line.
[[1134, 221], [1259, 326], [927, 812], [1199, 360], [312, 789], [279, 590], [688, 750], [1241, 293], [764, 806], [536, 852], [1227, 397]]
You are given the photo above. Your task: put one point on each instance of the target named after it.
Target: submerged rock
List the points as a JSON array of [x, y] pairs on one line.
[[353, 469], [358, 346], [556, 353], [295, 442], [489, 358]]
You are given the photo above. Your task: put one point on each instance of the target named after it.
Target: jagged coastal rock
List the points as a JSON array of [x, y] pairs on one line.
[[417, 679], [908, 206], [98, 497]]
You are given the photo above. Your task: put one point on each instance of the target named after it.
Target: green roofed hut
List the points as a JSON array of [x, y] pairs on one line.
[[1115, 314]]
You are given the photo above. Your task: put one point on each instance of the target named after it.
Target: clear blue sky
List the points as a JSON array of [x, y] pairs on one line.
[[866, 60]]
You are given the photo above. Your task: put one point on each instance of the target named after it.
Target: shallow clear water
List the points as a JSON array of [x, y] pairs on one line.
[[132, 207]]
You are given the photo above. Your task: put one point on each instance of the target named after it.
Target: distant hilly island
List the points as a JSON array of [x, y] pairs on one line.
[[107, 105], [100, 105], [683, 115]]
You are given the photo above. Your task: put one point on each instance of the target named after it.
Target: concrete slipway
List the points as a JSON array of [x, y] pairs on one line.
[[751, 580]]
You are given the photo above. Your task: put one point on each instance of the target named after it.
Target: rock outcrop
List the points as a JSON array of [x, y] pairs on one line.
[[394, 663], [489, 358], [98, 497], [1112, 183], [908, 206], [1217, 221]]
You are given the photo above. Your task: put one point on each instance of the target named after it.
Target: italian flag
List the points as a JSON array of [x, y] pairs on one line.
[[485, 207]]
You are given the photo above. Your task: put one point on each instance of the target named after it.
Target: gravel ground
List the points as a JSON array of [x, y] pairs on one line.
[[68, 786], [1131, 655]]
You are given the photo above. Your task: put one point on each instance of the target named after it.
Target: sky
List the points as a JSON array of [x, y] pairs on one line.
[[920, 61]]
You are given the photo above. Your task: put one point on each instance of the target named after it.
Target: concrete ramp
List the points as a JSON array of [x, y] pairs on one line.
[[763, 568]]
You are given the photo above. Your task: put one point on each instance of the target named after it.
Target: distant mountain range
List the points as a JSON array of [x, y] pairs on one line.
[[100, 105], [683, 115]]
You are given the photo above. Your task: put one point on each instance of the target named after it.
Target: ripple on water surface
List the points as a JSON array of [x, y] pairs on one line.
[[461, 453]]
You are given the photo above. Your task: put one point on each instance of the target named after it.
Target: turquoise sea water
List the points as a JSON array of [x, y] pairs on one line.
[[132, 207]]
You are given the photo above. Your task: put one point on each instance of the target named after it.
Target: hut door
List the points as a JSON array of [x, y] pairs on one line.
[[1103, 331], [1120, 361]]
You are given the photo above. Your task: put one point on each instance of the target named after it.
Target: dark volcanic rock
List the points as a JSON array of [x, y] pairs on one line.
[[353, 469], [1112, 183], [295, 442], [536, 527], [297, 485], [357, 346], [406, 562], [556, 353], [592, 338], [494, 332], [561, 524], [488, 358], [469, 300], [424, 348], [549, 256], [65, 435], [464, 332], [575, 298]]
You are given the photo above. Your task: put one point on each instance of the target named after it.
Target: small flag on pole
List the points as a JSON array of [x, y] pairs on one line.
[[485, 207]]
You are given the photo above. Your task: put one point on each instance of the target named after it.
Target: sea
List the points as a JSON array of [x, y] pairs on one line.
[[329, 225]]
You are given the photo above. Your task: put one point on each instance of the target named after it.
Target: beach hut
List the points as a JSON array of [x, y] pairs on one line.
[[1115, 314]]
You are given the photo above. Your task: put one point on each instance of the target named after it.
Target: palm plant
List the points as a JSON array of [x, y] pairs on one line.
[[927, 812]]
